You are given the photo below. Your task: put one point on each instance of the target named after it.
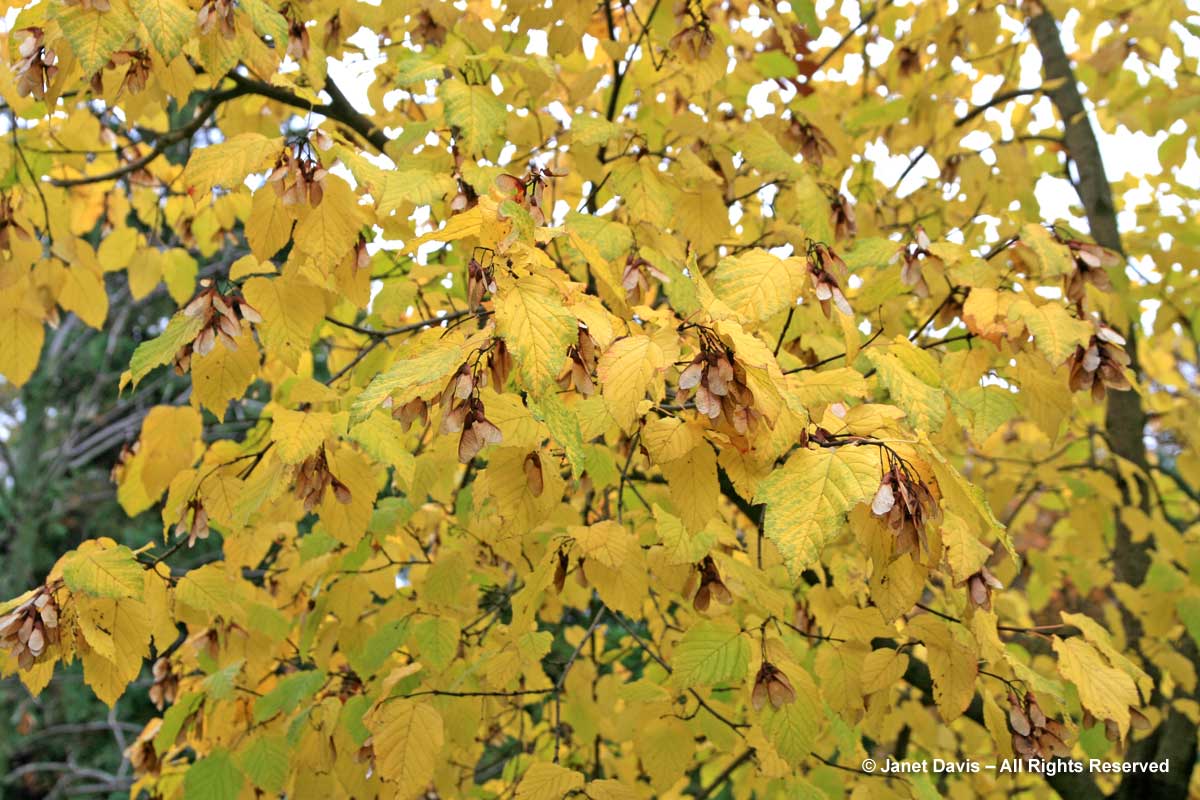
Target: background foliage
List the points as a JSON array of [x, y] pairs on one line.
[[543, 400]]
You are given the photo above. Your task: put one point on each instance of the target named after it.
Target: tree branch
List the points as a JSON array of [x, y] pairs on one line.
[[338, 109], [206, 110], [1002, 97]]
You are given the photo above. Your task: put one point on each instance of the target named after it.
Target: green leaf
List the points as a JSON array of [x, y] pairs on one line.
[[793, 728], [374, 653], [806, 13], [266, 763], [111, 572], [288, 694], [419, 186], [647, 198], [161, 349], [591, 129], [213, 777], [710, 653], [564, 427], [1188, 609], [764, 152], [220, 684], [437, 641], [611, 239], [871, 252], [173, 721]]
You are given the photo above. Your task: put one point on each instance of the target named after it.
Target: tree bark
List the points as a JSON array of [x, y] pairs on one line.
[[1125, 417]]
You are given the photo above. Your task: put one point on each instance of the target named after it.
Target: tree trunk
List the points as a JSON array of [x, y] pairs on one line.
[[1125, 419]]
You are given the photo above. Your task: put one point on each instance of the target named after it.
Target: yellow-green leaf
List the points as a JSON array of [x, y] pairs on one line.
[[537, 328], [169, 23], [809, 496], [710, 653], [104, 571]]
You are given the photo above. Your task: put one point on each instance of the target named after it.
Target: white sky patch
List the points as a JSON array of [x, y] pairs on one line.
[[538, 43]]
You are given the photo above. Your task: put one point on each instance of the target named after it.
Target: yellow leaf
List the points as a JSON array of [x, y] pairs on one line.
[[546, 781], [627, 371], [117, 248], [986, 313], [384, 438], [611, 790], [21, 335], [83, 291], [407, 738], [953, 664], [757, 284], [658, 747], [1042, 398], [127, 622], [1107, 692], [269, 226], [291, 308], [298, 434], [607, 542], [1053, 258], [694, 488], [103, 571], [964, 552], [210, 589], [1101, 640], [624, 588], [836, 385], [883, 669], [327, 233], [224, 374], [669, 438], [348, 521], [459, 226]]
